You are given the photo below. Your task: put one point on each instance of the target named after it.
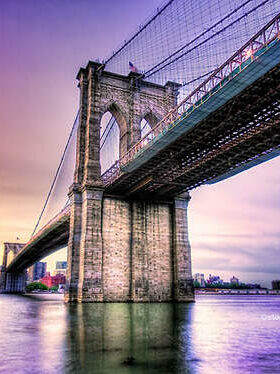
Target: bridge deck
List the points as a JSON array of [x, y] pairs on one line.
[[232, 85], [231, 128], [51, 237]]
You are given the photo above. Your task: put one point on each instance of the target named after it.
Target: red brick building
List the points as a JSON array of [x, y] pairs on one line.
[[55, 280]]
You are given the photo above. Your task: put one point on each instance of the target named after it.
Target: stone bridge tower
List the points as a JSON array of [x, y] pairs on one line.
[[10, 282], [119, 249]]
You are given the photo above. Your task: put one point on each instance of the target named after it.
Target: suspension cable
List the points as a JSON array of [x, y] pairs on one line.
[[113, 122], [140, 30], [203, 42], [56, 174], [106, 128]]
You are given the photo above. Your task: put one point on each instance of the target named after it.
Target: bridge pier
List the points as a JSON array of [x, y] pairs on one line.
[[11, 282], [129, 251], [90, 280], [123, 250], [73, 253], [2, 279], [15, 282], [183, 282]]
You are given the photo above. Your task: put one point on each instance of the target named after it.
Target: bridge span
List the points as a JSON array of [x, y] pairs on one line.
[[228, 124], [53, 236], [127, 230]]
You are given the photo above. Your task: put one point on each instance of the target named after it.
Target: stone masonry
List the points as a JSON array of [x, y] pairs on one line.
[[123, 250], [11, 282]]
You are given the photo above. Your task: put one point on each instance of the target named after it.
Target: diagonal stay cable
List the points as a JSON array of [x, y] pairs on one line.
[[56, 174]]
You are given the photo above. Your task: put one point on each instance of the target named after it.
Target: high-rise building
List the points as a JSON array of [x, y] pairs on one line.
[[60, 267], [200, 279], [37, 271]]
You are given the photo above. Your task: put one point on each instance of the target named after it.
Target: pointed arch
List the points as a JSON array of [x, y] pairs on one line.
[[147, 122], [10, 257], [118, 114], [151, 118], [109, 141], [145, 127]]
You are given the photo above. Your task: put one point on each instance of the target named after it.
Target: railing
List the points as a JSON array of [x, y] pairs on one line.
[[209, 87], [112, 173], [59, 215], [64, 212]]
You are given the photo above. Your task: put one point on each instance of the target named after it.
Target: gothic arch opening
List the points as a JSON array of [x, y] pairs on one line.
[[113, 136], [109, 141], [10, 257], [147, 123], [152, 119], [144, 127]]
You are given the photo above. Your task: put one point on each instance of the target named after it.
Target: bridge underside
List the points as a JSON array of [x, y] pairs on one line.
[[52, 237], [245, 129]]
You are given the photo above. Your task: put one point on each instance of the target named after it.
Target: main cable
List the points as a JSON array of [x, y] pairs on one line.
[[56, 174]]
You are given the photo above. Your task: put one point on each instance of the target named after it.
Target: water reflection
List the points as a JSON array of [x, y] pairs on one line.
[[235, 334], [32, 334], [126, 338]]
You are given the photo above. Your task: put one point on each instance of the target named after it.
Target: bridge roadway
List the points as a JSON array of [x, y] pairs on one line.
[[232, 127], [53, 236], [241, 132]]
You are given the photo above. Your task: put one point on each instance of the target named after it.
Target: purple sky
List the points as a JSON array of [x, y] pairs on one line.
[[234, 225]]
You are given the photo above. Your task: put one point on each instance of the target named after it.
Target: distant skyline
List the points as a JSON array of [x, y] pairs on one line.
[[233, 225]]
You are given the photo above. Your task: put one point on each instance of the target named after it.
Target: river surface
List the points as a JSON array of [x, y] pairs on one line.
[[217, 334]]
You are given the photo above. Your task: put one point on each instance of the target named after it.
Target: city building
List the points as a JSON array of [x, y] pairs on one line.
[[275, 284], [200, 279], [53, 280], [234, 280], [60, 267], [37, 271], [214, 279]]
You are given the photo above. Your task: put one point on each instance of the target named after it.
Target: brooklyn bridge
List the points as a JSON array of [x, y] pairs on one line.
[[143, 139]]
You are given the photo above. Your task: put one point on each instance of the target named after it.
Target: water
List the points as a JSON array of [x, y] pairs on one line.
[[217, 334]]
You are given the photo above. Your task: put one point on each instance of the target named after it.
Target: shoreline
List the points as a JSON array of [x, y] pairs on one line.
[[240, 292]]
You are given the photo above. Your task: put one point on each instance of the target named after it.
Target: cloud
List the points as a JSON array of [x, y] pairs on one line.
[[234, 225]]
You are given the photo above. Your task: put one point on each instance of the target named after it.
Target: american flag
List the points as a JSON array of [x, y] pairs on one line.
[[132, 67]]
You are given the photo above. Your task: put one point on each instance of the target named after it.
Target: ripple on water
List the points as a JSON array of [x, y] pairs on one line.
[[217, 334]]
